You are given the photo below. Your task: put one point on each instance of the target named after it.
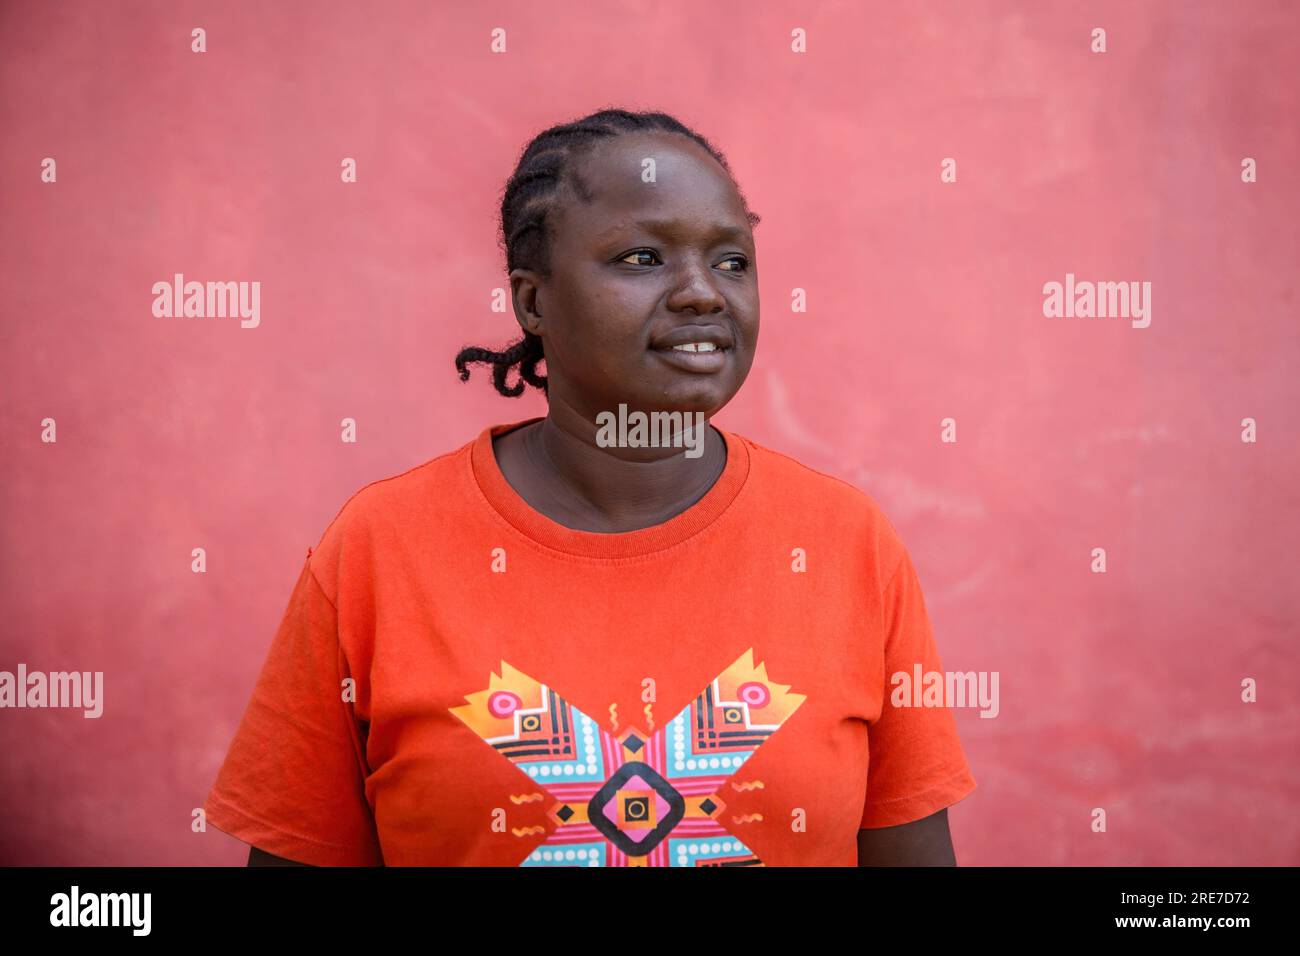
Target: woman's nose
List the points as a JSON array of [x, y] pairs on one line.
[[697, 290]]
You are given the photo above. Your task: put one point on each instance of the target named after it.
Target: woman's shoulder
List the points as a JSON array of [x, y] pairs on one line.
[[801, 488], [405, 487], [782, 470], [394, 500]]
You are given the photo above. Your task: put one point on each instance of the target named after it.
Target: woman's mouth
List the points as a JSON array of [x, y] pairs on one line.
[[700, 357], [703, 348]]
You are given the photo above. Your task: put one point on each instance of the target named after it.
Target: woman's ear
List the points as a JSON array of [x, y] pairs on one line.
[[525, 294]]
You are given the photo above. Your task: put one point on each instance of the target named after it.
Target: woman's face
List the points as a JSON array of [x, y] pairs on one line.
[[642, 267]]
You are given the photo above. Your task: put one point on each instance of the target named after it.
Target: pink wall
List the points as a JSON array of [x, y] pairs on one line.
[[925, 299]]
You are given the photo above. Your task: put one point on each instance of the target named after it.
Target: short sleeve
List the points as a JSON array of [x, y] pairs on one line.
[[917, 766], [293, 780]]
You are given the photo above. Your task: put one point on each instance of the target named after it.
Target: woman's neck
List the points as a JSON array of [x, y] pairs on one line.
[[557, 466]]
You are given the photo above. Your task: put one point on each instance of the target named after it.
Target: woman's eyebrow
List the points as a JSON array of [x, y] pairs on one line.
[[665, 228]]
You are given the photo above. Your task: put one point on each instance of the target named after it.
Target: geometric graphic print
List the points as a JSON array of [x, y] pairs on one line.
[[633, 798]]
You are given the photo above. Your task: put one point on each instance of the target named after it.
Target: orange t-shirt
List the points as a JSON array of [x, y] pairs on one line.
[[459, 680]]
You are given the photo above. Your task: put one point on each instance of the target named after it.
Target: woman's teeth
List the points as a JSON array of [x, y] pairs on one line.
[[696, 347]]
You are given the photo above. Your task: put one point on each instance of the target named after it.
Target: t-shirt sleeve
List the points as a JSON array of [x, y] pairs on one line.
[[293, 781], [917, 766]]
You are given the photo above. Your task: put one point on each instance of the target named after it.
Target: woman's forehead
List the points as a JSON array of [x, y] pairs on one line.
[[683, 218], [626, 192], [622, 167]]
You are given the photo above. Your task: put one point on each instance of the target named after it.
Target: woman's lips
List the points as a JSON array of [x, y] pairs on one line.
[[699, 362]]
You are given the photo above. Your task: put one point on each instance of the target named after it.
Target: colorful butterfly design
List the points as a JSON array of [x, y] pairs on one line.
[[632, 798]]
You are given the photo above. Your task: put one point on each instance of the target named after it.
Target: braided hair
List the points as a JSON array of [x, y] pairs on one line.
[[547, 164]]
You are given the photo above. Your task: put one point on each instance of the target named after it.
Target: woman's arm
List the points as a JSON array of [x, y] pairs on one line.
[[924, 842], [258, 857]]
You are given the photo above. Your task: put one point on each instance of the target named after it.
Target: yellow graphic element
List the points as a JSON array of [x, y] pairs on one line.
[[649, 716], [748, 818], [577, 813], [527, 831], [479, 717], [777, 710], [526, 798], [613, 714], [695, 810], [742, 787]]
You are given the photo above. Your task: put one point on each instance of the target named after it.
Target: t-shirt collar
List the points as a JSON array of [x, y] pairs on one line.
[[508, 503]]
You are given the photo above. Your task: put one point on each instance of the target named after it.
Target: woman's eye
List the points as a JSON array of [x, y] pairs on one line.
[[742, 264]]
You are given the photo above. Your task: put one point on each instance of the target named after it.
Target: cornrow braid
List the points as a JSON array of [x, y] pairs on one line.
[[525, 353], [546, 167]]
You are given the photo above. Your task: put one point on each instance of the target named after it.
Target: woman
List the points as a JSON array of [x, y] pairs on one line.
[[578, 641]]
